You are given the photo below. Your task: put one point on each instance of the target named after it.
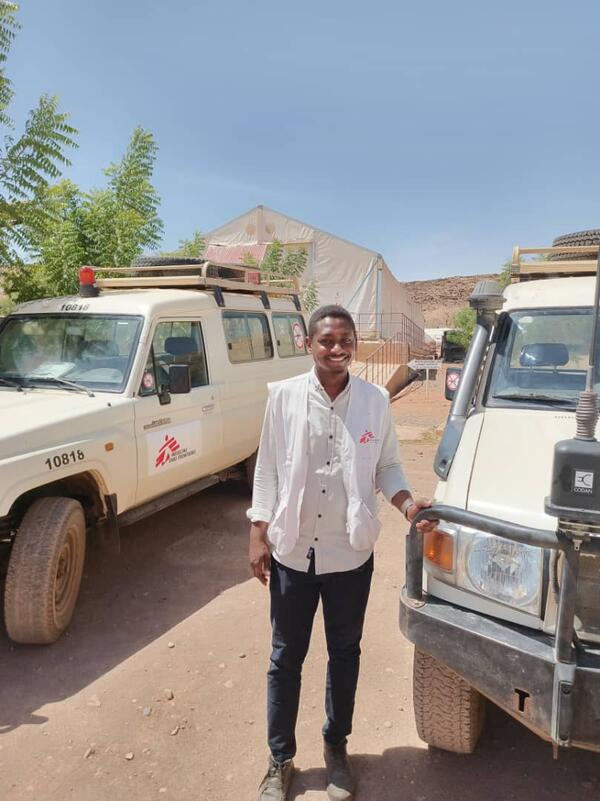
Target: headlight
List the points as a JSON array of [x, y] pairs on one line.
[[500, 569]]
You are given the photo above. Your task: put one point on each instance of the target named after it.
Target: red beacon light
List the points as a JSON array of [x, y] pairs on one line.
[[87, 283]]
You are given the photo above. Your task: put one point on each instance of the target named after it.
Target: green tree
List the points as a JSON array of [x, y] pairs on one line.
[[310, 296], [464, 324], [106, 227], [281, 264], [6, 306], [272, 262], [249, 260], [505, 274], [125, 217], [27, 162], [188, 248]]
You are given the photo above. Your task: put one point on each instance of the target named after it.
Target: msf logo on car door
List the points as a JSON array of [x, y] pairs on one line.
[[170, 447]]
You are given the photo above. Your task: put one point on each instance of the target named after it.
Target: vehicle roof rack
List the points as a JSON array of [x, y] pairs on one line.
[[209, 276], [556, 263]]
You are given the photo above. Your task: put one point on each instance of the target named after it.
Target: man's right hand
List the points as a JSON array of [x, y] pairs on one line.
[[259, 552]]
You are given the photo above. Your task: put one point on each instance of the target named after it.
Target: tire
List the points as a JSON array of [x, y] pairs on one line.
[[591, 237], [162, 261], [44, 571], [449, 713]]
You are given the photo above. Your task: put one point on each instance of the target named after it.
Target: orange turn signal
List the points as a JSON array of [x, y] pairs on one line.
[[438, 548]]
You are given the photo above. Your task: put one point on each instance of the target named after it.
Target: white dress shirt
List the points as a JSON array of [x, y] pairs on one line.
[[323, 525]]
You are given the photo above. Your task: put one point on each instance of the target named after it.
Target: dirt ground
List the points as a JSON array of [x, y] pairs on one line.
[[158, 689]]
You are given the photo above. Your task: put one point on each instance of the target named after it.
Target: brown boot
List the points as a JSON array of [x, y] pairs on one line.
[[275, 785], [340, 782]]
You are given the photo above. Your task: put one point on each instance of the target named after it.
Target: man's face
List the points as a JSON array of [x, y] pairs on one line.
[[332, 345]]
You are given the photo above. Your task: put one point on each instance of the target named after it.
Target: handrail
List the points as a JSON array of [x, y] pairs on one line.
[[377, 364], [385, 325]]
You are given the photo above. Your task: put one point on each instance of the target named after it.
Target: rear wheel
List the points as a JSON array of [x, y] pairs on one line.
[[44, 572], [449, 713]]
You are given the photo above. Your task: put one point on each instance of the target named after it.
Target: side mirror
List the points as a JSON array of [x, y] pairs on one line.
[[452, 381], [180, 380]]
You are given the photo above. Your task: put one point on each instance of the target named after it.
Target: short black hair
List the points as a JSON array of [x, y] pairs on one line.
[[332, 310]]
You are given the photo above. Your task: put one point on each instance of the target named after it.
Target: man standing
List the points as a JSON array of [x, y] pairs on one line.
[[328, 444]]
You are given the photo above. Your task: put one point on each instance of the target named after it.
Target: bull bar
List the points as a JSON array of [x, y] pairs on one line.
[[544, 681]]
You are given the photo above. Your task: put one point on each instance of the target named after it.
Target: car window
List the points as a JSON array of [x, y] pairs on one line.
[[247, 336], [95, 351], [290, 333], [543, 354], [177, 342]]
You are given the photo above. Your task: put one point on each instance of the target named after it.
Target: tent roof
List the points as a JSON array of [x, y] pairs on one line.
[[299, 222]]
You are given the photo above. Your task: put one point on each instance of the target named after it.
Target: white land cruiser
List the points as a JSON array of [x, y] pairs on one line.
[[511, 605], [116, 403]]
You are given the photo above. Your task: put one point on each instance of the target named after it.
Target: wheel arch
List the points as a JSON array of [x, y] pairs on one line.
[[87, 487]]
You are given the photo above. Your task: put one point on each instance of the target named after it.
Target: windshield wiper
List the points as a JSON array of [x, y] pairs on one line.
[[8, 383], [532, 397], [61, 382]]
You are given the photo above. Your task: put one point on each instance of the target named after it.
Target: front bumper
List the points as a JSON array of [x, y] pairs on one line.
[[543, 681], [512, 666]]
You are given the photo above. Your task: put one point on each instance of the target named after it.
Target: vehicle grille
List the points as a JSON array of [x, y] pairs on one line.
[[588, 597]]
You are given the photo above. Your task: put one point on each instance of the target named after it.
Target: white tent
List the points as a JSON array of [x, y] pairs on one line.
[[353, 276]]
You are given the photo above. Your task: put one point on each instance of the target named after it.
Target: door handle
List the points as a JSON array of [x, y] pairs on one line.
[[209, 407]]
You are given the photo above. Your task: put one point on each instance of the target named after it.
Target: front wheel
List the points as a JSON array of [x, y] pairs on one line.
[[44, 571], [449, 713]]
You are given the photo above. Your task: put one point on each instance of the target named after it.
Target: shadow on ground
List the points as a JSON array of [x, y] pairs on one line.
[[510, 764], [171, 565]]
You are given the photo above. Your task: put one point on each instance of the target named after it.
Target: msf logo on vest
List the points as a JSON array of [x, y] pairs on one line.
[[367, 437]]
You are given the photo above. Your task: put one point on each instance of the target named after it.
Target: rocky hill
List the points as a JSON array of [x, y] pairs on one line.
[[441, 298]]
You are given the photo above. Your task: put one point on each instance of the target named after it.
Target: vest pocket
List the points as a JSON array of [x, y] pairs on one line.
[[363, 526]]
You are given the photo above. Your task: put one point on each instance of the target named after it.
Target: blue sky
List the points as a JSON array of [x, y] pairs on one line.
[[438, 133]]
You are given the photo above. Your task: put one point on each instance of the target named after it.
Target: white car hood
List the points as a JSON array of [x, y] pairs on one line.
[[40, 418], [513, 464]]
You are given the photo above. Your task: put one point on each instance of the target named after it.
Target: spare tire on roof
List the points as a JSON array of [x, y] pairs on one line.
[[591, 237], [166, 261], [162, 261]]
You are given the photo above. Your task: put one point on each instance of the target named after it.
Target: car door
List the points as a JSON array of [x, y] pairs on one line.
[[180, 440]]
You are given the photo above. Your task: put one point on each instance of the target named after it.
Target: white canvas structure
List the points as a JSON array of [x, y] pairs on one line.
[[348, 274]]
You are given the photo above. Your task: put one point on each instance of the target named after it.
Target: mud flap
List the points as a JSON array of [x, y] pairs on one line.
[[107, 531]]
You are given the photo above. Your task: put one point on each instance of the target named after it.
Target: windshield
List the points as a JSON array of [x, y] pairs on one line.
[[541, 358], [54, 350]]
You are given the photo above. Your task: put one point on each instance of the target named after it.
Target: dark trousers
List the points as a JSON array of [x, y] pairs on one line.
[[294, 600]]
